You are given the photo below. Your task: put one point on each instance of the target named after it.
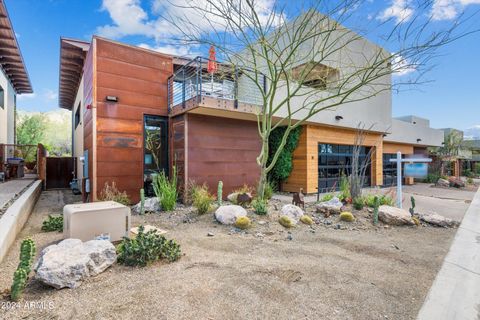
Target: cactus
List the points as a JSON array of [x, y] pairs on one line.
[[347, 216], [243, 223], [219, 193], [375, 210], [306, 219], [19, 282], [142, 201], [286, 222], [412, 209]]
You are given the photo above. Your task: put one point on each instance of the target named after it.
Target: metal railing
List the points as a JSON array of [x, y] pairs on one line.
[[194, 81]]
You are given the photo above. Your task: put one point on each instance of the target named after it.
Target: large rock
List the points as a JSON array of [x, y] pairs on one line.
[[293, 212], [394, 216], [232, 197], [229, 214], [333, 206], [437, 220], [443, 183], [66, 264], [151, 205]]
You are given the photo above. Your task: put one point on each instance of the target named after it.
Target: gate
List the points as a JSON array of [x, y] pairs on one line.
[[60, 172]]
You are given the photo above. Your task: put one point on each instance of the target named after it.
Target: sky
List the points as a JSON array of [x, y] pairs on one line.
[[450, 99]]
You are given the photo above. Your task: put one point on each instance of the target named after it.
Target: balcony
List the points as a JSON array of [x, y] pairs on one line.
[[226, 90]]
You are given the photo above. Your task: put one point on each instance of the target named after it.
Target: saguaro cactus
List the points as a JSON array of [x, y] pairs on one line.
[[412, 209], [142, 201], [220, 193], [375, 210]]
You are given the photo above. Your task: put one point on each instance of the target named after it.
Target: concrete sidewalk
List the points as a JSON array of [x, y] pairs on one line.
[[455, 293], [11, 188]]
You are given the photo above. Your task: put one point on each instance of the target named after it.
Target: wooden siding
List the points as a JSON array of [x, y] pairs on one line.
[[389, 147], [222, 149], [305, 157], [138, 78]]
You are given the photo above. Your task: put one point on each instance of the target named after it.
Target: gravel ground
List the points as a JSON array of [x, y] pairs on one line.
[[356, 272]]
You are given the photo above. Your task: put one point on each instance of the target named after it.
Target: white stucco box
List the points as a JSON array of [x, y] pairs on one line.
[[88, 221]]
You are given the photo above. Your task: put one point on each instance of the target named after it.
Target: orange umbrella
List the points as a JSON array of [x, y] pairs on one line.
[[212, 63]]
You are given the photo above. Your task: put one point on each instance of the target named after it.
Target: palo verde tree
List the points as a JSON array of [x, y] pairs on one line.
[[301, 58]]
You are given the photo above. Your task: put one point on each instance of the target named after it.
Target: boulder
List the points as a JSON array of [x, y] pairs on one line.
[[394, 216], [232, 197], [68, 263], [456, 182], [151, 205], [228, 214], [333, 206], [292, 211], [244, 199], [437, 220], [443, 183]]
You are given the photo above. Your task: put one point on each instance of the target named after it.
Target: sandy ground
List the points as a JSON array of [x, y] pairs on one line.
[[359, 272]]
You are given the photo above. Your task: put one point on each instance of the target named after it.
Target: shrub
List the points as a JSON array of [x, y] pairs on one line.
[[383, 200], [432, 178], [260, 206], [244, 189], [20, 277], [284, 165], [111, 193], [201, 199], [344, 189], [306, 219], [166, 190], [347, 216], [243, 222], [477, 168], [53, 223], [146, 248], [470, 181], [468, 173], [416, 221], [286, 222], [358, 203], [327, 197]]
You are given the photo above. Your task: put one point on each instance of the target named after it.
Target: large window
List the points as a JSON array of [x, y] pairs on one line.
[[2, 98], [78, 114], [335, 161], [155, 147]]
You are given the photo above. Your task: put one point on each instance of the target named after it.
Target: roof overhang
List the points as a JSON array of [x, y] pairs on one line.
[[11, 59], [72, 58]]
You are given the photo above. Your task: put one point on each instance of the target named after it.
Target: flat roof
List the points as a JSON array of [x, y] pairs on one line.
[[11, 59], [72, 57]]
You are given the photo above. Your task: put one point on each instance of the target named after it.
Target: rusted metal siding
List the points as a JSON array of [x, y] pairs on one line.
[[222, 149], [88, 120], [138, 78]]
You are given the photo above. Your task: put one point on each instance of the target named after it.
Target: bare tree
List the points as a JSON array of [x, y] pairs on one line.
[[360, 161], [311, 62]]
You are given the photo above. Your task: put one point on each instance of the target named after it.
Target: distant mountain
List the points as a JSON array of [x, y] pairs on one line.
[[472, 133]]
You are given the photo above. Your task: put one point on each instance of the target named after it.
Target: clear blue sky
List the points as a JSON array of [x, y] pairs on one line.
[[452, 100]]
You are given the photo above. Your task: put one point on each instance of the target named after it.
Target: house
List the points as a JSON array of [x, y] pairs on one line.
[[14, 79], [136, 112]]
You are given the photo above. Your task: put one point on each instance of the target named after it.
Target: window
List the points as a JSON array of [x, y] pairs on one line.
[[2, 98], [316, 75], [155, 149], [78, 115]]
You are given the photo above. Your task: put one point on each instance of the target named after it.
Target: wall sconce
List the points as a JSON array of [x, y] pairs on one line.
[[418, 140], [111, 98], [338, 118], [384, 135]]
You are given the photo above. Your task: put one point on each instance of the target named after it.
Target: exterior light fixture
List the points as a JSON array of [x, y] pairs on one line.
[[111, 98], [418, 140], [338, 118]]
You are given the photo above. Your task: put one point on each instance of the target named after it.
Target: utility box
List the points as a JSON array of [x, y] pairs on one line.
[[108, 220]]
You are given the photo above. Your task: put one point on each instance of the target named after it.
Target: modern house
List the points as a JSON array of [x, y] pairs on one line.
[[14, 78], [137, 111]]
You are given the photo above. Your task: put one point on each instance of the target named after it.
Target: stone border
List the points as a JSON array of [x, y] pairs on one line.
[[455, 293], [13, 220]]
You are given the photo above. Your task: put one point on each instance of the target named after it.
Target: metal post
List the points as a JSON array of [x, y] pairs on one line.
[[235, 103], [399, 179], [183, 87]]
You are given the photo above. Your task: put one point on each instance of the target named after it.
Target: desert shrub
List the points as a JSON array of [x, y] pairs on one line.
[[201, 199], [382, 199], [470, 181], [477, 168], [111, 193], [344, 189], [243, 222], [284, 165], [286, 222], [53, 223], [260, 206], [244, 189], [166, 189], [145, 248], [20, 277], [327, 197], [416, 221], [347, 216], [468, 173], [432, 178], [358, 203], [306, 219]]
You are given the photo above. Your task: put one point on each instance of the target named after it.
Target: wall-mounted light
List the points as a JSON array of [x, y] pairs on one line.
[[338, 118], [418, 140], [384, 135], [111, 98]]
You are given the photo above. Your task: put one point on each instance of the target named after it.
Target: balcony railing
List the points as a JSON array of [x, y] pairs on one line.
[[193, 81]]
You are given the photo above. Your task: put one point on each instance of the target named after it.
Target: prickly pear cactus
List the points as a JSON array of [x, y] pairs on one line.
[[142, 201], [219, 193], [19, 282], [412, 209], [375, 210]]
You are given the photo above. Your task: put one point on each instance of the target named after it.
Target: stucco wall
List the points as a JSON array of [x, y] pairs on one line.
[[7, 113], [408, 132], [78, 131]]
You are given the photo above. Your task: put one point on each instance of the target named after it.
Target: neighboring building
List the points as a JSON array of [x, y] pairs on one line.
[[120, 96], [14, 78]]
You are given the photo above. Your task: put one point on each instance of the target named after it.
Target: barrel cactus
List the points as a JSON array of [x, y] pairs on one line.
[[243, 222], [286, 221], [347, 216], [306, 219]]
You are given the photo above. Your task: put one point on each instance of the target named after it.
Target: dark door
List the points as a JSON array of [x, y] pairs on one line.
[[59, 172], [155, 149]]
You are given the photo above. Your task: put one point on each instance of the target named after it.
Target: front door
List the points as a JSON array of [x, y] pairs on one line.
[[155, 149]]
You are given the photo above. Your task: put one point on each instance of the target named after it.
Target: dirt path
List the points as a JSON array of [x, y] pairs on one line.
[[321, 273]]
